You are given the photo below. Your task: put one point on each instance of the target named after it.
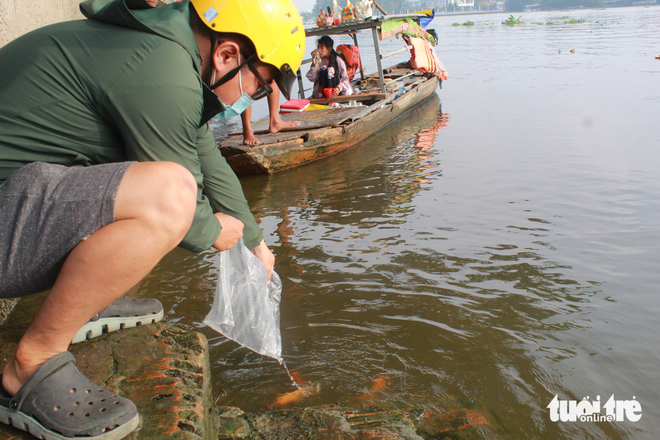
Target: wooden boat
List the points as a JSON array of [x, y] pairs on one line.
[[322, 133]]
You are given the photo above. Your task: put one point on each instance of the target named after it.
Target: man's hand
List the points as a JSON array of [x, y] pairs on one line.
[[266, 256], [232, 231]]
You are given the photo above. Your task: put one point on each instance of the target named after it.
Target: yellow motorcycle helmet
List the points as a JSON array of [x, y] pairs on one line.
[[274, 27]]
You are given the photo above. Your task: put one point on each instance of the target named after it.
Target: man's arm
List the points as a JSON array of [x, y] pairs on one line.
[[157, 111], [223, 188], [226, 196]]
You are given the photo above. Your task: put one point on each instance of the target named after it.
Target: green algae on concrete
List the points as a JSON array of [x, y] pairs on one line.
[[367, 422], [163, 369], [456, 424], [232, 424], [307, 423], [6, 307]]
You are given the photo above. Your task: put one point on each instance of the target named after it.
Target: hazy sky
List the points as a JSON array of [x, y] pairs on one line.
[[304, 5]]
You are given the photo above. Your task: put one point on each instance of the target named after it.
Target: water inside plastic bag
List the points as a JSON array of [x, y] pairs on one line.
[[245, 308]]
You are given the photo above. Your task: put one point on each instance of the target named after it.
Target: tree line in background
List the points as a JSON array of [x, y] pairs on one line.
[[519, 5], [391, 6], [397, 6]]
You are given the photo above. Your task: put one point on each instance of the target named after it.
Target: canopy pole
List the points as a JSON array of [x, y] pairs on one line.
[[359, 54], [395, 52], [379, 8], [374, 32], [301, 88]]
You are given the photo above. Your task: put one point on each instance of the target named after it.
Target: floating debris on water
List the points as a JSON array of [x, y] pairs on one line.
[[512, 21]]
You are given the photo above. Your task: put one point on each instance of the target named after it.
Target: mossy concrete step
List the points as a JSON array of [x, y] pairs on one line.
[[163, 369], [382, 421], [6, 307]]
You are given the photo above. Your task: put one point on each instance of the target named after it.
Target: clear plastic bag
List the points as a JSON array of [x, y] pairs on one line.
[[245, 308]]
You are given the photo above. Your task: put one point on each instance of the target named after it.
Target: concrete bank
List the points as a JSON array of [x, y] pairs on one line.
[[165, 371], [20, 16], [378, 421]]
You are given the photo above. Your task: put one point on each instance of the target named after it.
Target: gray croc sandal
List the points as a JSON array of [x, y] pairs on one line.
[[125, 312], [57, 402]]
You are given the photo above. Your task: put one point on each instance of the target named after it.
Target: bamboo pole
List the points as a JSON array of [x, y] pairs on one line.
[[379, 8]]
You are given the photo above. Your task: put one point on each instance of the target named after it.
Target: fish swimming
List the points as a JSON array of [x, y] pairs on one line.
[[380, 383], [305, 391]]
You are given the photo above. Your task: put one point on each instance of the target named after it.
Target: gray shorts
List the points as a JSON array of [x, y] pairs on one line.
[[45, 211]]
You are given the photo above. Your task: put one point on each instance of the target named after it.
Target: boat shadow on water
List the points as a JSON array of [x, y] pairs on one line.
[[381, 174]]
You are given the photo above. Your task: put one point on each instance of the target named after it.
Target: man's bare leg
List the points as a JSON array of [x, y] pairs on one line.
[[153, 211], [248, 134], [276, 122]]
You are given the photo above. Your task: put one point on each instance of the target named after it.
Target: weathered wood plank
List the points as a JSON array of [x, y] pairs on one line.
[[346, 98], [318, 135], [236, 140], [315, 119], [372, 108]]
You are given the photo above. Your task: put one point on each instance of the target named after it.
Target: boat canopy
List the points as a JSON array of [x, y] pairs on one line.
[[352, 28]]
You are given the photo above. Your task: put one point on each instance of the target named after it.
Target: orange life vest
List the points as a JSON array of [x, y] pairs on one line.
[[351, 56]]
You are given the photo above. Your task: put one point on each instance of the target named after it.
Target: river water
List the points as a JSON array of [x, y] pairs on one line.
[[495, 247]]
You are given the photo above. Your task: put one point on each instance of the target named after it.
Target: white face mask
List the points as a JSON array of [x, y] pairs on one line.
[[241, 104]]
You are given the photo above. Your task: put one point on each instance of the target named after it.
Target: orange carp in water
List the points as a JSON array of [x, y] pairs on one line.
[[380, 383], [306, 390]]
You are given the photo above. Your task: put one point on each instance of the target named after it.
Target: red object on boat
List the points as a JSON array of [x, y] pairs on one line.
[[294, 105]]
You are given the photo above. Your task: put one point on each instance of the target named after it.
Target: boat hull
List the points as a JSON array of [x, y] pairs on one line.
[[268, 158]]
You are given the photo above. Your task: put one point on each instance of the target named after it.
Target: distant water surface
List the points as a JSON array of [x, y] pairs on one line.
[[496, 246]]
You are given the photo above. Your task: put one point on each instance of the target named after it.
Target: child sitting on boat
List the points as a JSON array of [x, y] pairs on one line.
[[328, 70]]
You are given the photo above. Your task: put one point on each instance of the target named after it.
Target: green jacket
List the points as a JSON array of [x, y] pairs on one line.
[[125, 84]]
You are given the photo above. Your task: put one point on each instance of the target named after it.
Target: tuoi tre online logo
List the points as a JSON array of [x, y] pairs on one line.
[[586, 411]]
